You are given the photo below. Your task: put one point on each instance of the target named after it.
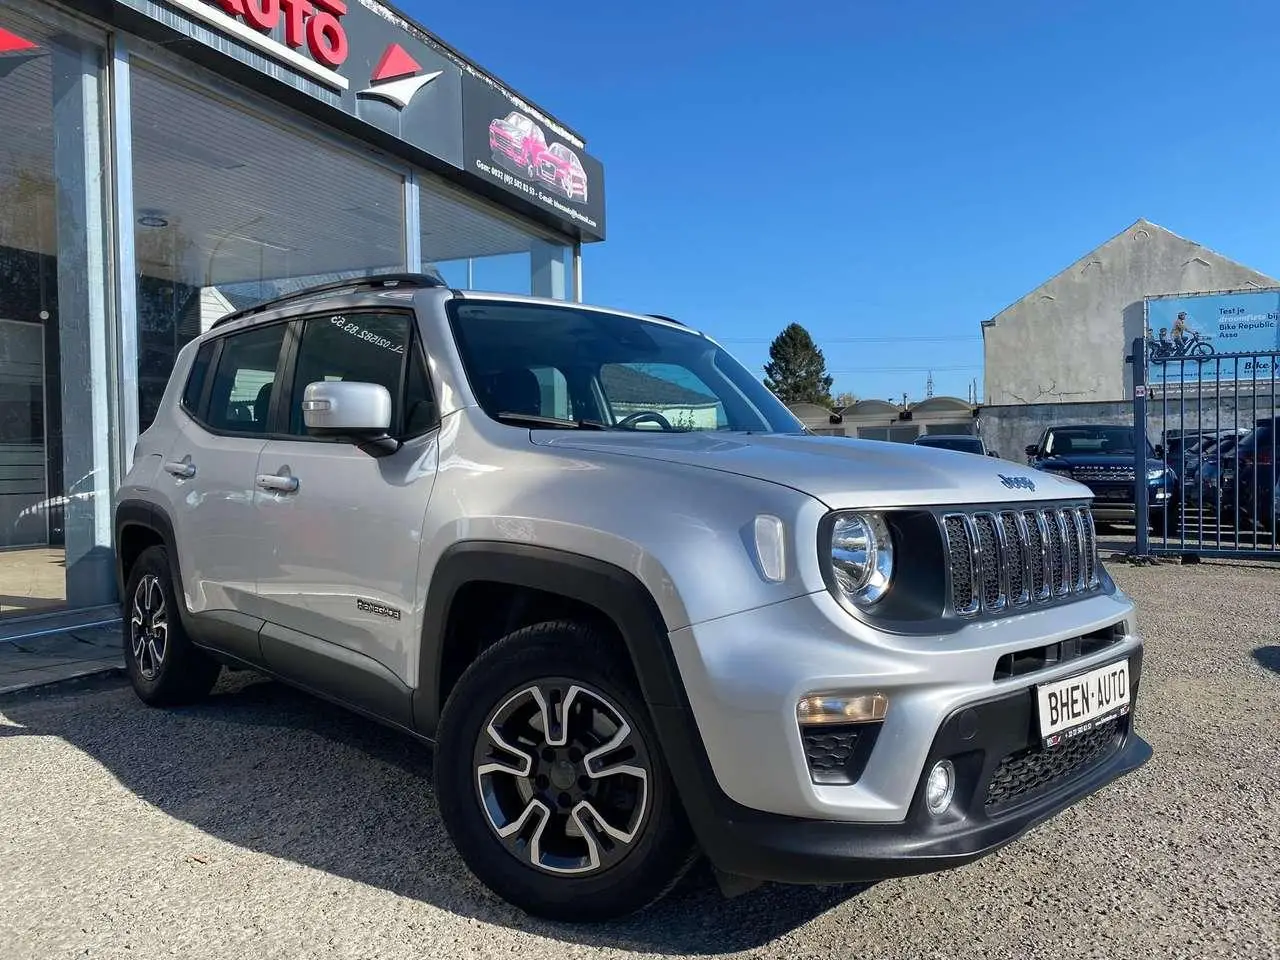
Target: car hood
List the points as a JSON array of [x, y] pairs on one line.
[[840, 472]]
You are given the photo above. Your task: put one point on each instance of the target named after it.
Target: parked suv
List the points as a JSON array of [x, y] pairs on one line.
[[641, 613], [1101, 456]]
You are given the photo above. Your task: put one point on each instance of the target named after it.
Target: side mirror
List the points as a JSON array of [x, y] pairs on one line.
[[1033, 449], [355, 411], [992, 453]]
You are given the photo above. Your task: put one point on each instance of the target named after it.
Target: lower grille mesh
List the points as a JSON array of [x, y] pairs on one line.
[[1023, 775]]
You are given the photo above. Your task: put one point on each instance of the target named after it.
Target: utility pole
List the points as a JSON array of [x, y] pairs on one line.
[[928, 387]]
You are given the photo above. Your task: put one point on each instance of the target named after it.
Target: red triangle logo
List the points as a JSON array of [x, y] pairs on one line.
[[12, 43], [395, 63]]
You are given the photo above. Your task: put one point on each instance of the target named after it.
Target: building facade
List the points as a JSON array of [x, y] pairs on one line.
[[1066, 340], [882, 420], [164, 162]]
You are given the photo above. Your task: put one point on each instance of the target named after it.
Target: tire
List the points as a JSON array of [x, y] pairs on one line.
[[164, 666], [616, 878]]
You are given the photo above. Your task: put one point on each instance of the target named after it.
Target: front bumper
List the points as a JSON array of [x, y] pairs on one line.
[[746, 782], [797, 850]]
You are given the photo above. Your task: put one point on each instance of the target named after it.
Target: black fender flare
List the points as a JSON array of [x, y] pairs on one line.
[[615, 592], [140, 513]]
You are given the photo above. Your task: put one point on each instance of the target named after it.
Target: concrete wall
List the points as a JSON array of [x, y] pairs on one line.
[[1066, 341]]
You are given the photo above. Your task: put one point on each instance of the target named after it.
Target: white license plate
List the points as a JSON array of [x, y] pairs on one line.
[[1078, 704]]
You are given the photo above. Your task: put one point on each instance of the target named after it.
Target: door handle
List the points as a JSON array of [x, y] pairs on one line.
[[277, 483], [181, 468]]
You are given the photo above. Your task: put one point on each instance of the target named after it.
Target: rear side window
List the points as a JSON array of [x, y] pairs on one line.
[[240, 399], [196, 378]]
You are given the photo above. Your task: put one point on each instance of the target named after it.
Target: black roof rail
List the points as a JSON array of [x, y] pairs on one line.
[[658, 316], [372, 281]]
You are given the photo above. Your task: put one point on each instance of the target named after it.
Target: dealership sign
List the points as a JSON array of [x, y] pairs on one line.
[[366, 63], [1232, 335]]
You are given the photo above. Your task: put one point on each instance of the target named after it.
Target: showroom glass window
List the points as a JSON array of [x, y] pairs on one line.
[[478, 249], [56, 377], [232, 209]]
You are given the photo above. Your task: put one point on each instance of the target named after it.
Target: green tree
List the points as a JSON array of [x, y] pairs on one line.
[[797, 371]]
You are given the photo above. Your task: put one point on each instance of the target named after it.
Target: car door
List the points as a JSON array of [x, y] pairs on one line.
[[337, 573], [208, 475]]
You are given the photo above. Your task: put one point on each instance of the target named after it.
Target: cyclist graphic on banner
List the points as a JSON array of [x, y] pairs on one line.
[[1185, 341]]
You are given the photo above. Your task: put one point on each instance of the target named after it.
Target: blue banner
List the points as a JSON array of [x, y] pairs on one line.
[[1198, 329]]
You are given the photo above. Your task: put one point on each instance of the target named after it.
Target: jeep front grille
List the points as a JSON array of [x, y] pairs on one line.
[[1004, 558]]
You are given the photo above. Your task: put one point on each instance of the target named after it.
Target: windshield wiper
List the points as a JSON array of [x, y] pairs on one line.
[[533, 420]]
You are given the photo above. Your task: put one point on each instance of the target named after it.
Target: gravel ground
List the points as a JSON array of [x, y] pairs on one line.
[[268, 824]]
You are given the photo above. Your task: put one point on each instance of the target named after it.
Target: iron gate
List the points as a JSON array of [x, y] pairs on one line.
[[1216, 418]]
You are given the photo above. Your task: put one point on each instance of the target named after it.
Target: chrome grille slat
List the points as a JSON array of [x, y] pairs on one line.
[[1003, 558], [989, 560], [1054, 572], [1037, 560]]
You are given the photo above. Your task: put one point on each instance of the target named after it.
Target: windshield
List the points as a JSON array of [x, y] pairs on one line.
[[965, 444], [586, 366], [1101, 440]]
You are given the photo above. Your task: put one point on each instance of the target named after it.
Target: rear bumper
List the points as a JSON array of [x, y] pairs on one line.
[[978, 738]]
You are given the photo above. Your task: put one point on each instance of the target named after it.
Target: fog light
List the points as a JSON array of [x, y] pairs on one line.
[[833, 708], [940, 788]]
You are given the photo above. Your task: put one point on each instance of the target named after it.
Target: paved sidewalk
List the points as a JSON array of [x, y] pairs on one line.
[[36, 661]]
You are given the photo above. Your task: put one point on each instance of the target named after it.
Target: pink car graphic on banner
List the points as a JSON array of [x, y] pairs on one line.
[[569, 175], [517, 142]]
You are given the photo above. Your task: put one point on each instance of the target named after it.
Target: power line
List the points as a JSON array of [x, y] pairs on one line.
[[963, 366]]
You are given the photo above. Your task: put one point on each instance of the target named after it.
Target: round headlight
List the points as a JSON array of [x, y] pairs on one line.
[[862, 557]]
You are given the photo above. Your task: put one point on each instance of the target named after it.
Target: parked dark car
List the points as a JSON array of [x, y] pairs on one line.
[[1255, 463], [964, 442], [1101, 456]]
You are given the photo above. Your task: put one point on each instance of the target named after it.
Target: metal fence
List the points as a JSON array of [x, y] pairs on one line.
[[1215, 417]]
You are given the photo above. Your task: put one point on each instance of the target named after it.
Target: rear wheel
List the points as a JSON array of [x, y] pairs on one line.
[[551, 783], [164, 666]]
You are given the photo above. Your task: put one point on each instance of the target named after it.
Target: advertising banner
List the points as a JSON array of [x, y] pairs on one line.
[[511, 145], [1202, 328]]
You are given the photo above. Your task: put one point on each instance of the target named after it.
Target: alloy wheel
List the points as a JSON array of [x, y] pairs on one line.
[[563, 778], [149, 627]]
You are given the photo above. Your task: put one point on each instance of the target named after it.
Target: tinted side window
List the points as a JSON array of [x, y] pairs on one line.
[[243, 385], [359, 347], [195, 379]]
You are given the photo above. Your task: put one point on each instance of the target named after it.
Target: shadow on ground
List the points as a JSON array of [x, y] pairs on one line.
[[275, 771], [1269, 657]]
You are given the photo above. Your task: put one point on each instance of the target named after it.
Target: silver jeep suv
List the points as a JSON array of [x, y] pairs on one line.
[[641, 613]]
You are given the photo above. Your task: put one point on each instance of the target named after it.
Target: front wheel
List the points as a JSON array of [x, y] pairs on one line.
[[551, 783]]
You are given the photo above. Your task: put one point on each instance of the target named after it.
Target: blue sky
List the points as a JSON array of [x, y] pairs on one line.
[[892, 169]]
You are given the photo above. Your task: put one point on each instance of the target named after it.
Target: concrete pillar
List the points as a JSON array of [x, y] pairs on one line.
[[82, 322], [547, 270]]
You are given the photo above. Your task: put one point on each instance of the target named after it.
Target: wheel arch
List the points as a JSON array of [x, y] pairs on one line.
[[609, 590], [139, 524]]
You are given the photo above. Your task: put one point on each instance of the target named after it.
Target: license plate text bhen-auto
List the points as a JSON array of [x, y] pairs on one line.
[[1078, 704]]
